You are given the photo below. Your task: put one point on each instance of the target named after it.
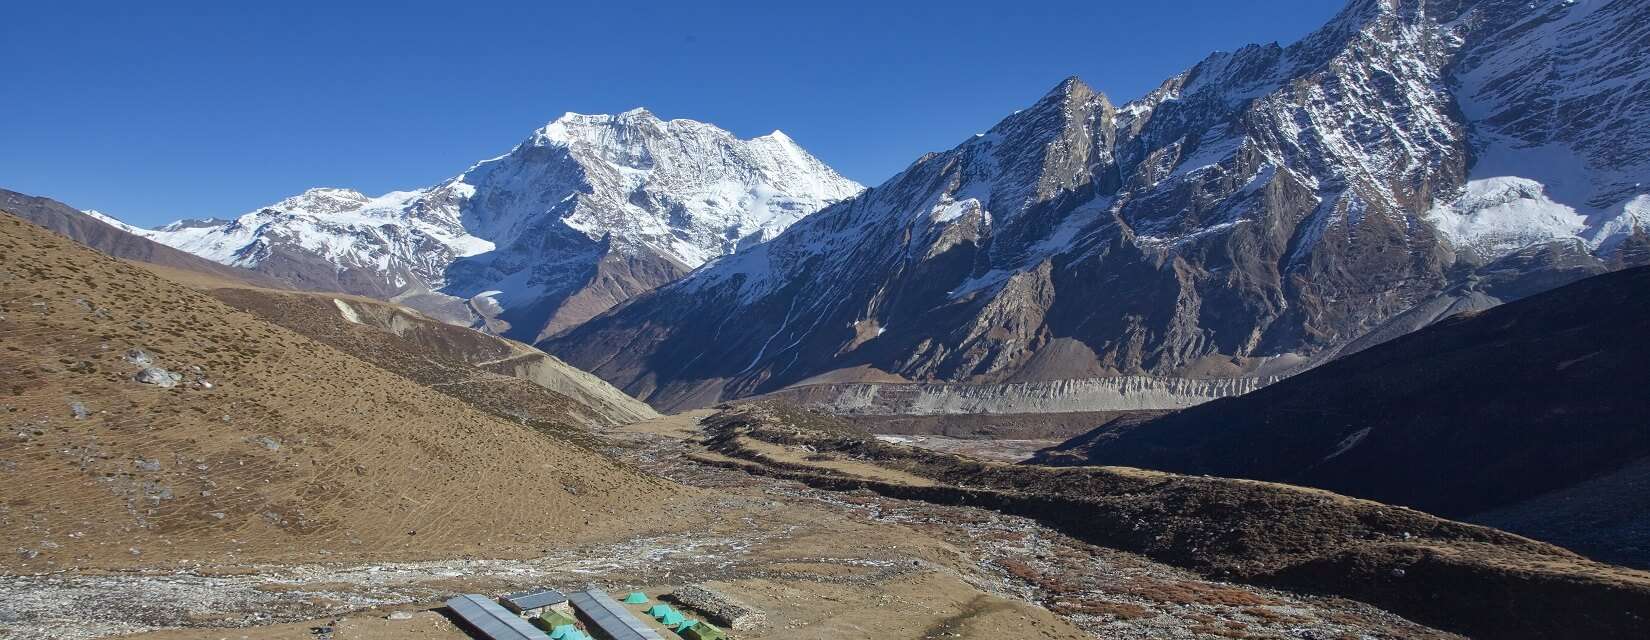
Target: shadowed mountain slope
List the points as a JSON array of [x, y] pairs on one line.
[[1482, 411]]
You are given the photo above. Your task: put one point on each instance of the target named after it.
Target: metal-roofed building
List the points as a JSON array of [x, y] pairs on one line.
[[533, 601], [609, 617], [491, 620]]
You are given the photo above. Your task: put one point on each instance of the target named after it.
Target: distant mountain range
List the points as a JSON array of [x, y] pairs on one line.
[[1258, 213], [585, 213], [114, 241], [1529, 417], [1262, 212]]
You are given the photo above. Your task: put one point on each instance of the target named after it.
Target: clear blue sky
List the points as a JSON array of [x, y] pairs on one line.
[[153, 111]]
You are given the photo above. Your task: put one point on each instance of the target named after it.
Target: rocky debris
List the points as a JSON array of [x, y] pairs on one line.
[[721, 609], [30, 430], [71, 607], [266, 442], [156, 490], [139, 357], [92, 309], [158, 377], [146, 465]]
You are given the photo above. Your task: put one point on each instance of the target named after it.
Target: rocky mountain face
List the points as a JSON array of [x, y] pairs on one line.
[[585, 213], [1259, 212], [1493, 416]]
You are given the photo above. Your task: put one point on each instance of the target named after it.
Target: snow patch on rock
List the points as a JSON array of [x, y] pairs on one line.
[[1499, 216], [347, 311]]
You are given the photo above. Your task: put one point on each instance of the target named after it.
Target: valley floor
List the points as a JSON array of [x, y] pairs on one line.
[[983, 448], [820, 564]]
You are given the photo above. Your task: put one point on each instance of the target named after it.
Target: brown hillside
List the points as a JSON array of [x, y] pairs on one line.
[[501, 376], [296, 451]]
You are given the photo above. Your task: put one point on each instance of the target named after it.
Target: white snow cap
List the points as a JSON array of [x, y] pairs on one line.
[[683, 189]]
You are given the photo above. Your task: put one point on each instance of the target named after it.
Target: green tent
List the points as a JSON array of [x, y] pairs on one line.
[[703, 631], [672, 618], [636, 597], [686, 624], [659, 610], [552, 620]]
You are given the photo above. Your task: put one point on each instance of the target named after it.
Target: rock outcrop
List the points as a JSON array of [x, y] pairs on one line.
[[1123, 393]]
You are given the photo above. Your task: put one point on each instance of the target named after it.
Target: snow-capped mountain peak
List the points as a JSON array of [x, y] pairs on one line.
[[533, 227]]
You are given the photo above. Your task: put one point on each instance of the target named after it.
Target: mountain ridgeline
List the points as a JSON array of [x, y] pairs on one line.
[[1262, 211], [586, 212], [88, 230]]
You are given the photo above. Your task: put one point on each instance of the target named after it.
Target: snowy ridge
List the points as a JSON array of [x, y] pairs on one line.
[[1569, 140], [341, 225], [528, 227], [1498, 216]]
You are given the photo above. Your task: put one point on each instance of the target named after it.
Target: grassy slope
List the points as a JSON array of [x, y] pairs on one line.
[[298, 451], [475, 367]]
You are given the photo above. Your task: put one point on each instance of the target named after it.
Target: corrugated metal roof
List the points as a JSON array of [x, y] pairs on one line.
[[612, 618], [492, 620], [533, 599]]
